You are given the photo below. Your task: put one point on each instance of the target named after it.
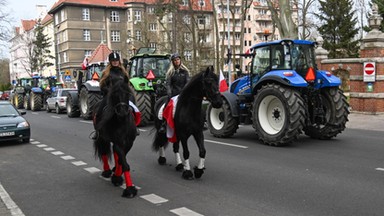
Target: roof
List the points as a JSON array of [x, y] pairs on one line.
[[28, 24], [122, 4], [280, 41], [100, 54]]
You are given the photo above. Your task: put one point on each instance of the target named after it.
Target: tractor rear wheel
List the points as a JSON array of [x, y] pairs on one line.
[[335, 109], [36, 101], [72, 109], [278, 114], [143, 103], [88, 102], [220, 121]]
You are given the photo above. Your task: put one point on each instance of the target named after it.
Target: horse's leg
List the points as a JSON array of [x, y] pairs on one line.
[[179, 163], [162, 159], [130, 190], [117, 179], [187, 174], [199, 170], [106, 169]]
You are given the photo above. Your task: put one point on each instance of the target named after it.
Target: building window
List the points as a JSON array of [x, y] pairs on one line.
[[87, 53], [129, 17], [62, 15], [187, 19], [138, 35], [115, 16], [85, 12], [151, 10], [184, 3], [152, 45], [115, 36], [152, 26], [86, 35], [113, 0], [138, 15], [201, 20], [188, 55], [65, 57], [187, 37], [56, 18]]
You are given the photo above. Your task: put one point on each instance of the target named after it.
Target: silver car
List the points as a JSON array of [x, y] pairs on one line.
[[58, 100]]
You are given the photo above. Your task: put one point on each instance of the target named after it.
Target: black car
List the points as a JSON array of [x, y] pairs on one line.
[[12, 125]]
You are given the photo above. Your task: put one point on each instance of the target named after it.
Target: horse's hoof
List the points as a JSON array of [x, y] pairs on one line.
[[117, 180], [179, 167], [187, 174], [106, 173], [198, 172], [129, 192], [162, 160]]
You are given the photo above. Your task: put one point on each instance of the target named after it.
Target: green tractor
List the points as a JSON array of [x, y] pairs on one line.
[[23, 86], [147, 71]]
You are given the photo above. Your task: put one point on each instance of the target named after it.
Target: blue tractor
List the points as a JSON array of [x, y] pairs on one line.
[[283, 96]]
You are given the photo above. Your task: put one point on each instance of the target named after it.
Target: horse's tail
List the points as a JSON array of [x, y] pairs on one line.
[[102, 148], [159, 140]]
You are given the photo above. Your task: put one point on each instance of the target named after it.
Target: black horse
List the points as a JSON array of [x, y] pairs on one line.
[[189, 120], [116, 126]]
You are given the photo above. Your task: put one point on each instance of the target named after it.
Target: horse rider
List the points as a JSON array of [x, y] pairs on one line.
[[114, 69], [177, 77]]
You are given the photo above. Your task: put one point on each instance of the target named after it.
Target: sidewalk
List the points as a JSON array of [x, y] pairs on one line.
[[366, 121]]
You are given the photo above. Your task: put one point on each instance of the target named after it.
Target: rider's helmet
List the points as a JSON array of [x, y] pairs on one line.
[[175, 55]]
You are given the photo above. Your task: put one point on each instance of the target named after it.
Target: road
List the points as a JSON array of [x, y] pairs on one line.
[[57, 174]]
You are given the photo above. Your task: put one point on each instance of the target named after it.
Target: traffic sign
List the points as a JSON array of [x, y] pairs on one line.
[[369, 71]]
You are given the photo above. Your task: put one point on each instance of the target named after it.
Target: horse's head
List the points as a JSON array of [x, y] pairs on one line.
[[211, 87], [118, 97]]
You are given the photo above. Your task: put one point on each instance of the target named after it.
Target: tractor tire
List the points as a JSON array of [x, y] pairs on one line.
[[88, 101], [36, 101], [143, 103], [72, 109], [278, 114], [18, 101], [220, 121], [27, 102], [335, 106]]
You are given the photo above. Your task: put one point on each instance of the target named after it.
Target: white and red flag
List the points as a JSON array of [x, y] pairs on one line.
[[84, 65], [223, 86]]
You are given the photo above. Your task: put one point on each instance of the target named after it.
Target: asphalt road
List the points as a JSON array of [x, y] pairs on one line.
[[57, 174]]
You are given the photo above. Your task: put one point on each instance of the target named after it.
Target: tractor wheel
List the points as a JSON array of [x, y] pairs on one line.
[[18, 101], [220, 121], [335, 108], [88, 101], [72, 110], [143, 103], [278, 114], [36, 101], [27, 102]]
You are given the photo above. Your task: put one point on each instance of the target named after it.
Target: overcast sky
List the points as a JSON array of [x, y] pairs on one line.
[[25, 9]]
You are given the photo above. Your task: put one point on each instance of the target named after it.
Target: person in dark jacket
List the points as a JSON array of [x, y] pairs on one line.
[[114, 69], [176, 78]]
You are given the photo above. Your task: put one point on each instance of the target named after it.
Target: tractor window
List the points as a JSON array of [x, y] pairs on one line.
[[277, 57], [261, 60], [159, 66], [133, 68], [302, 58]]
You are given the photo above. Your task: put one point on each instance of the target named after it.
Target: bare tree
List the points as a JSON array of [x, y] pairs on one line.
[[282, 18], [5, 24]]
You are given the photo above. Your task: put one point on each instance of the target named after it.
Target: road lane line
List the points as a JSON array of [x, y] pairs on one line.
[[92, 170], [153, 198], [41, 145], [58, 117], [379, 169], [9, 203], [35, 142], [79, 163], [88, 122], [227, 144], [67, 157], [57, 153], [185, 212], [49, 149]]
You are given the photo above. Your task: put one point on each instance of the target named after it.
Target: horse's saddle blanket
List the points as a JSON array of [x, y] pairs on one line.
[[168, 113]]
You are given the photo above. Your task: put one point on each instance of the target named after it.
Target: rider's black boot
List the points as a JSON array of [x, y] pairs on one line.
[[94, 135], [162, 128]]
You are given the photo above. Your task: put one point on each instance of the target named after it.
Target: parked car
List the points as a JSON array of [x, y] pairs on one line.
[[13, 126], [58, 100], [5, 95]]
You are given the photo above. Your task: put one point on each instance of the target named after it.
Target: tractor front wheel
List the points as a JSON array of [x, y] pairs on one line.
[[220, 121]]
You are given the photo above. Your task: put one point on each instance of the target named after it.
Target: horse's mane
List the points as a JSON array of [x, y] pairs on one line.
[[189, 88]]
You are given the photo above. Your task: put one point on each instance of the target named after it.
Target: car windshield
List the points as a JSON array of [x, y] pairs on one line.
[[7, 110]]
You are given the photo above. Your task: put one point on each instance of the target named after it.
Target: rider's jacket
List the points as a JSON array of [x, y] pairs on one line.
[[176, 82], [115, 72]]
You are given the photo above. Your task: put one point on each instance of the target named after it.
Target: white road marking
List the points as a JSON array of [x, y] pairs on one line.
[[58, 117], [35, 142], [88, 122], [379, 169], [7, 200], [79, 163], [153, 198], [227, 144], [67, 157], [49, 149], [185, 212], [41, 145], [92, 169], [57, 153]]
